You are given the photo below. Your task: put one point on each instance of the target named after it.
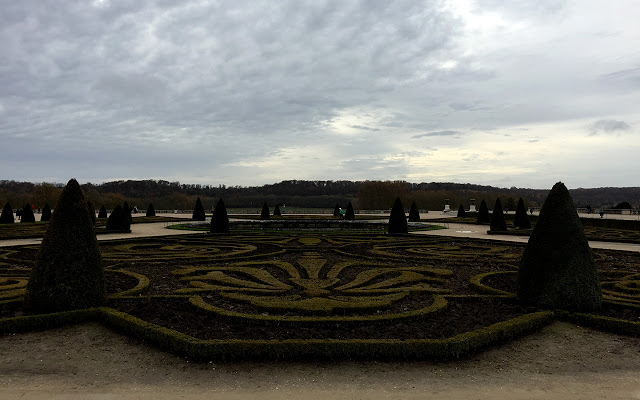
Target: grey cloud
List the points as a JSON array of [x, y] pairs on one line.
[[608, 126], [438, 133]]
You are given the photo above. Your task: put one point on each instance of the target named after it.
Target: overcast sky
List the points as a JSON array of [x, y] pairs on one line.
[[505, 93]]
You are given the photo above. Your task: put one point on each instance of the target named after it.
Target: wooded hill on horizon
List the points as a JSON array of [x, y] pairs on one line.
[[365, 195]]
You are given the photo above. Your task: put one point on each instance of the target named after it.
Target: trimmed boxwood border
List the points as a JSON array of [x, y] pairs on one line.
[[292, 349]]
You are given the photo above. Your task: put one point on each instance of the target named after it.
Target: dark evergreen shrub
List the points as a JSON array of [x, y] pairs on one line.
[[461, 213], [27, 214], [92, 212], [265, 211], [151, 212], [521, 219], [198, 211], [67, 273], [7, 214], [276, 211], [397, 219], [350, 214], [336, 210], [414, 214], [498, 222], [483, 214], [127, 211], [622, 206], [46, 213], [102, 213], [557, 269], [220, 219], [118, 220]]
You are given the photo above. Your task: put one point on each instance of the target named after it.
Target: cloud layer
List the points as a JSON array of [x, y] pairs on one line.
[[253, 93]]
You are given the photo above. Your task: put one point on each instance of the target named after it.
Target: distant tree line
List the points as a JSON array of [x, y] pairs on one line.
[[167, 195]]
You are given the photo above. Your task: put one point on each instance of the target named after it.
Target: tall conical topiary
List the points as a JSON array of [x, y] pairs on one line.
[[498, 222], [483, 214], [276, 211], [336, 210], [46, 213], [92, 212], [521, 219], [220, 219], [265, 211], [557, 269], [7, 214], [127, 212], [461, 213], [350, 214], [67, 273], [198, 211], [151, 212], [397, 219], [118, 220], [414, 214], [102, 213], [27, 214]]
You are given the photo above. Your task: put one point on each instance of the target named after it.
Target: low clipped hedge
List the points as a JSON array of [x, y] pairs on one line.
[[292, 349]]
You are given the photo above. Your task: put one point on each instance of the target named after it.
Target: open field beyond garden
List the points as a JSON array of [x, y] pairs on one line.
[[318, 295]]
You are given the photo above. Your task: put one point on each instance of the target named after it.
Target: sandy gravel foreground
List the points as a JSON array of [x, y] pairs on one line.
[[562, 361]]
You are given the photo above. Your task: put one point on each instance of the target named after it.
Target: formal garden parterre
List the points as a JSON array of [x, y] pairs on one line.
[[318, 294]]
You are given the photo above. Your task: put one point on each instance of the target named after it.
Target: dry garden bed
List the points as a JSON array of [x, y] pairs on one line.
[[322, 295]]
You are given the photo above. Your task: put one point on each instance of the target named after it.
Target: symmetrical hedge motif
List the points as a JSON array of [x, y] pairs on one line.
[[222, 296]]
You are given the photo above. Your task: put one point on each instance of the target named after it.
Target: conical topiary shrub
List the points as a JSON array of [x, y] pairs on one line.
[[336, 210], [27, 214], [7, 214], [483, 214], [67, 273], [198, 211], [220, 219], [461, 213], [46, 213], [276, 211], [92, 212], [151, 212], [118, 220], [521, 219], [102, 213], [397, 219], [265, 211], [350, 214], [557, 269], [414, 214], [498, 222], [127, 212]]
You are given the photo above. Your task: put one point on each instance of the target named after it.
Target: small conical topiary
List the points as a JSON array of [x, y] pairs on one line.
[[461, 213], [276, 211], [521, 219], [46, 213], [498, 222], [265, 211], [350, 214], [414, 214], [92, 212], [27, 214], [118, 220], [102, 213], [127, 212], [336, 210], [7, 214], [67, 273], [397, 219], [151, 212], [220, 219], [198, 211], [557, 269], [483, 214]]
